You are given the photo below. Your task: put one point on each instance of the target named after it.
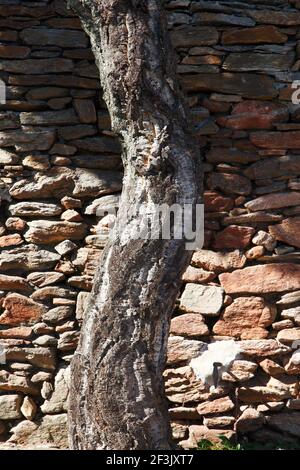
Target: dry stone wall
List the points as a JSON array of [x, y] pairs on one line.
[[60, 168]]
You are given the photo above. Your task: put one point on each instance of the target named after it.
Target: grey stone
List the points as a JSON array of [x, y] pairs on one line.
[[10, 407], [34, 209], [96, 183], [28, 258], [54, 37], [207, 300]]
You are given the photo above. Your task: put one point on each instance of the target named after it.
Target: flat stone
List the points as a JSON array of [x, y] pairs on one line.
[[217, 422], [35, 209], [247, 318], [28, 258], [233, 237], [230, 183], [289, 299], [48, 232], [262, 348], [207, 300], [190, 325], [28, 141], [37, 66], [218, 261], [11, 240], [261, 394], [254, 217], [181, 349], [40, 357], [14, 283], [191, 37], [17, 383], [257, 35], [222, 19], [51, 292], [280, 18], [66, 116], [252, 86], [258, 62], [58, 314], [274, 167], [98, 144], [287, 231], [255, 115], [21, 309], [45, 279], [274, 201], [23, 332], [276, 140], [10, 407], [289, 336], [220, 405], [197, 275], [54, 37], [56, 182], [262, 279], [96, 183], [230, 155]]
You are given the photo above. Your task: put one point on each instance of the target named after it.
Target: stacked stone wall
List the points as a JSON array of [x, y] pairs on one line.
[[60, 169]]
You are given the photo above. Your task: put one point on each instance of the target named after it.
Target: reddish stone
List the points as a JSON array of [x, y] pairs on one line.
[[274, 201], [234, 236], [10, 240], [220, 405], [287, 231], [13, 52], [197, 275], [255, 115], [230, 183], [215, 202], [257, 35], [262, 279], [189, 324], [21, 309], [217, 261], [276, 140], [14, 283], [23, 332], [247, 318]]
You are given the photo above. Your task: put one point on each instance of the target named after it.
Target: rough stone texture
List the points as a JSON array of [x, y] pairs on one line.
[[247, 318], [262, 279], [202, 299], [61, 172]]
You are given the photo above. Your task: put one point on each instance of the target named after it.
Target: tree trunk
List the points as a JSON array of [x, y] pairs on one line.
[[117, 398]]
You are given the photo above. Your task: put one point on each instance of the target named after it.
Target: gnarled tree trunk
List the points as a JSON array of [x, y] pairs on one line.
[[117, 395]]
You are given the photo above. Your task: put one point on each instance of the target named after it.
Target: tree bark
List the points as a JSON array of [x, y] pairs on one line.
[[117, 398]]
